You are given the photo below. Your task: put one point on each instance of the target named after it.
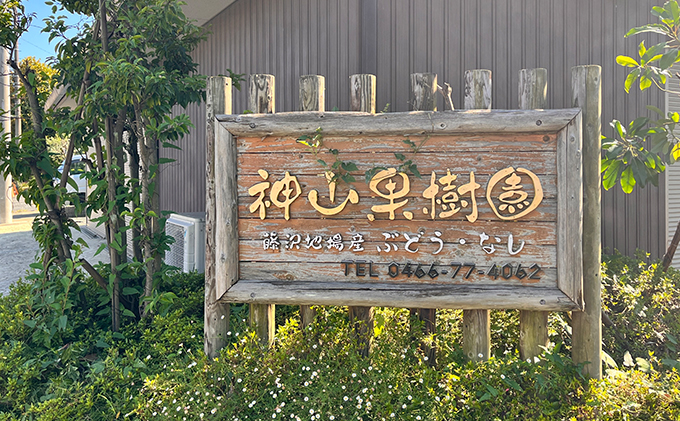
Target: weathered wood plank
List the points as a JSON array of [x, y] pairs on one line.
[[323, 271], [312, 98], [300, 161], [362, 98], [510, 143], [362, 93], [226, 220], [312, 93], [478, 90], [439, 296], [398, 124], [570, 211], [424, 97], [262, 99], [476, 322], [587, 324], [301, 209], [252, 251], [533, 325], [216, 313], [540, 233], [424, 92], [316, 180]]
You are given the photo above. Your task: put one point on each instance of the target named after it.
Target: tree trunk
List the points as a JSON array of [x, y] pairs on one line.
[[670, 252]]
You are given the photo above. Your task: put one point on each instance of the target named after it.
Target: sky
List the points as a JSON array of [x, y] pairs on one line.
[[34, 42]]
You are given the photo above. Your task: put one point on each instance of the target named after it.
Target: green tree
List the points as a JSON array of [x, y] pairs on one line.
[[127, 67], [641, 150]]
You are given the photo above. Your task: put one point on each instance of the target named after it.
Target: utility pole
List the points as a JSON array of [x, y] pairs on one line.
[[6, 119]]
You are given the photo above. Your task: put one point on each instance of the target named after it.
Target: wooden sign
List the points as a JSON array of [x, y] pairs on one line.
[[424, 209]]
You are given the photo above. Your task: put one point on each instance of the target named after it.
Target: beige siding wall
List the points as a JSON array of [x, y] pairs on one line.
[[393, 38]]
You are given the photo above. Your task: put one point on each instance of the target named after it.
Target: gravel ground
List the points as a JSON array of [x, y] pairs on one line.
[[18, 249]]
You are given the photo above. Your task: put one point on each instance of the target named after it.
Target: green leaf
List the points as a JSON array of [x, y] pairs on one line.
[[668, 59], [627, 180], [626, 61], [631, 78], [62, 322], [101, 344], [30, 323], [654, 27], [400, 157], [655, 109], [130, 291], [645, 82], [642, 49], [128, 313], [349, 166]]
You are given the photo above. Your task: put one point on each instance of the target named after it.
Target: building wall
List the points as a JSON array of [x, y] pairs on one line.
[[394, 38]]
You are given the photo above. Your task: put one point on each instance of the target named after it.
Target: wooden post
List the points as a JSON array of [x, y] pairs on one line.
[[587, 325], [362, 93], [424, 91], [261, 98], [215, 314], [262, 102], [312, 98], [424, 98], [476, 323], [533, 325], [362, 98]]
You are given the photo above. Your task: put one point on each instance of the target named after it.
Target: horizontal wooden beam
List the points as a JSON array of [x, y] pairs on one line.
[[398, 124], [395, 295]]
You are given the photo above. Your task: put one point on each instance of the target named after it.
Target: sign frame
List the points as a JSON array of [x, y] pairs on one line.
[[565, 124]]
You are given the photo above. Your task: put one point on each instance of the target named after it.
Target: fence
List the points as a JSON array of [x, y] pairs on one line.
[[586, 324]]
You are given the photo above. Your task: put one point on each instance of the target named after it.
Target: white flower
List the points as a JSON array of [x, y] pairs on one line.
[[179, 408], [502, 376], [392, 415], [354, 374], [213, 410], [409, 397], [480, 355], [274, 415], [404, 406], [345, 398], [148, 357]]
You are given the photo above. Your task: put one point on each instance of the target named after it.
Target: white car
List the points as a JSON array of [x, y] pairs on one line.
[[78, 169]]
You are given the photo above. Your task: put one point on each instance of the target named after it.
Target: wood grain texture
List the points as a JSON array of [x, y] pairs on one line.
[[361, 319], [389, 295], [533, 325], [424, 97], [312, 88], [362, 93], [261, 317], [507, 142], [424, 92], [476, 322], [398, 124], [216, 313], [362, 99], [570, 211], [323, 271], [587, 324], [478, 89], [476, 334], [533, 89], [262, 98], [312, 93], [226, 220]]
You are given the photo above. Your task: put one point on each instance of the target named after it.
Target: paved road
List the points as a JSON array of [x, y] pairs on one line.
[[18, 249]]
